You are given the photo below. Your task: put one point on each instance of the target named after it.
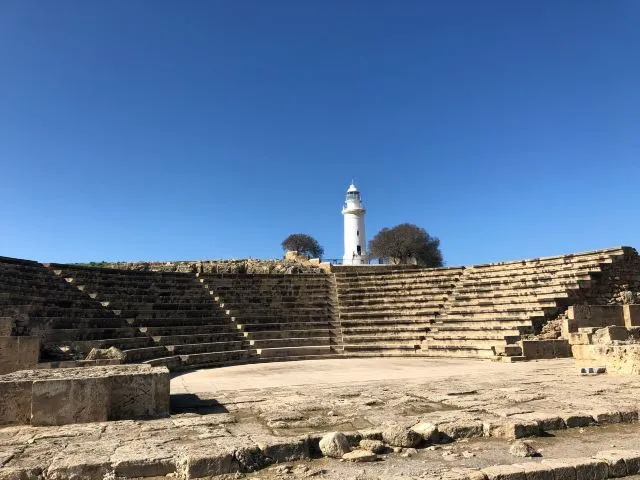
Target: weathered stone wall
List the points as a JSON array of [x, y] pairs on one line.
[[617, 284], [249, 265], [79, 395]]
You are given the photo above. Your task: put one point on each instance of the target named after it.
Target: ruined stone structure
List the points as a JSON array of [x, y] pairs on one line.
[[186, 320], [81, 395]]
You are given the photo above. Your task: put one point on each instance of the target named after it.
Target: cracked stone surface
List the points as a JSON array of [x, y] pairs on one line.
[[236, 408]]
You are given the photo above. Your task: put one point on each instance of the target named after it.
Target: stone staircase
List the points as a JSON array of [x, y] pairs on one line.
[[68, 323], [390, 311], [182, 326], [283, 317], [493, 305]]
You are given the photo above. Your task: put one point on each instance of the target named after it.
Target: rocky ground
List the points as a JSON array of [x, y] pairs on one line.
[[468, 413]]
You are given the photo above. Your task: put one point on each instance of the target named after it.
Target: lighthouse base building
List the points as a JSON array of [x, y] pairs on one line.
[[355, 242]]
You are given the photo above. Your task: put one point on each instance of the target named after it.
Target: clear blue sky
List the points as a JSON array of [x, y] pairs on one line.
[[158, 130]]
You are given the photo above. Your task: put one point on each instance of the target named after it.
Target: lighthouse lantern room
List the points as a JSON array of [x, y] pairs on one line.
[[354, 236]]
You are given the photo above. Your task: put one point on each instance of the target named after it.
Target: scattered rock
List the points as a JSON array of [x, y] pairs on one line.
[[523, 449], [399, 436], [374, 446], [360, 456], [409, 452], [468, 454], [334, 444], [428, 432], [111, 353], [397, 449]]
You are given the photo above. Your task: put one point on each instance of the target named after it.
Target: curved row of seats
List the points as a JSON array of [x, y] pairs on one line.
[[186, 320]]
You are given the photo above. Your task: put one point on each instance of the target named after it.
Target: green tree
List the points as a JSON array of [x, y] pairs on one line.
[[303, 244], [405, 242]]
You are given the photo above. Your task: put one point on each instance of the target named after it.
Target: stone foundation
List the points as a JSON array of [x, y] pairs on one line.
[[544, 349], [80, 395]]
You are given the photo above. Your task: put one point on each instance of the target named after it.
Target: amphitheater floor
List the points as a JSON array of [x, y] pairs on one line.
[[274, 405], [341, 371]]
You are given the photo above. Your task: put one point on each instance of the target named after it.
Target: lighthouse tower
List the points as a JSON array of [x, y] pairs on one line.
[[354, 237]]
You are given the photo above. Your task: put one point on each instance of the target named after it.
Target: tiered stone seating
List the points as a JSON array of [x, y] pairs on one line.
[[493, 304], [43, 305], [284, 317], [186, 328], [386, 311]]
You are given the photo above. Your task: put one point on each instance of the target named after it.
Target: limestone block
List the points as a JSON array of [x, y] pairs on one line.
[[139, 395], [18, 353], [206, 460], [562, 469], [607, 335], [631, 315], [401, 436], [590, 468], [545, 421], [541, 349], [460, 429], [606, 417], [537, 471], [505, 472], [250, 458], [282, 449], [90, 461], [632, 460], [577, 419], [15, 402], [617, 466], [74, 400], [142, 460], [595, 316], [511, 429]]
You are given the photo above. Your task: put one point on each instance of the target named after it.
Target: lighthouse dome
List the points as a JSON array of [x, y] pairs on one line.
[[352, 188]]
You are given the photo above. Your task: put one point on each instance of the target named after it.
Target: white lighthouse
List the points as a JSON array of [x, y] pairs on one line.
[[355, 242]]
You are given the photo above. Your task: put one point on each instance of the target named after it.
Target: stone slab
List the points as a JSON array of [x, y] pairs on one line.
[[63, 401], [15, 403]]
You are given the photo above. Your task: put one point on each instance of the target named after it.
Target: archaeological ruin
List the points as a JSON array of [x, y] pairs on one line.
[[104, 370]]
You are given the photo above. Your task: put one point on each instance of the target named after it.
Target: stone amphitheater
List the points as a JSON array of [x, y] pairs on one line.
[[352, 371]]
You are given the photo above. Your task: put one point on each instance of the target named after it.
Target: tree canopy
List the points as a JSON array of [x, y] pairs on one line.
[[303, 244], [405, 242]]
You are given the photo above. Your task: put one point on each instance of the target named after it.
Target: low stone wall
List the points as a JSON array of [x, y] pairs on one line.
[[80, 395], [545, 349]]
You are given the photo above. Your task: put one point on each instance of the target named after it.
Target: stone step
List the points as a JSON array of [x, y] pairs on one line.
[[349, 295], [214, 359], [510, 336], [559, 262], [190, 348], [288, 334], [383, 329], [279, 326], [382, 347], [291, 358], [382, 304], [188, 329], [505, 296], [197, 338], [37, 312], [76, 334], [529, 280], [293, 351], [457, 351], [509, 307], [144, 315], [268, 319], [399, 314], [510, 300], [171, 322], [486, 323], [462, 342], [173, 363], [136, 355], [502, 316], [412, 338], [388, 321], [263, 344]]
